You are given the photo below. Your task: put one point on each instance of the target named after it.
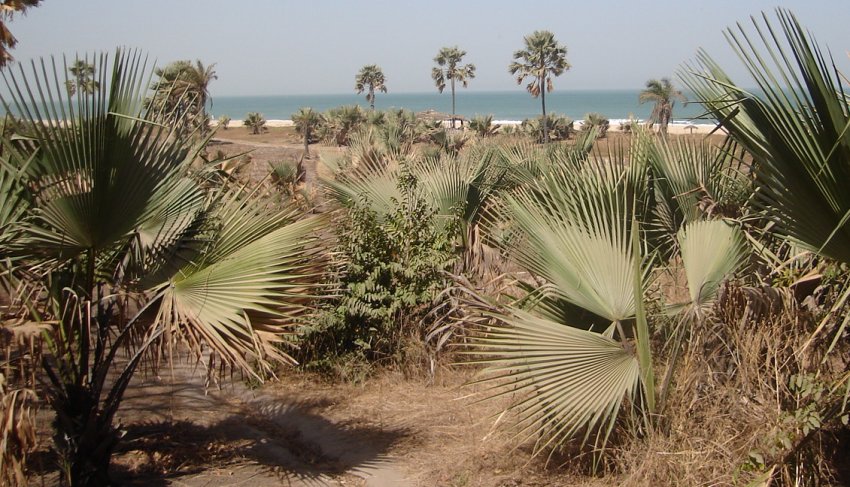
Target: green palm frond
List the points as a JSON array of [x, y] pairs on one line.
[[105, 172], [243, 303], [712, 251], [374, 184], [566, 380], [692, 180], [795, 126], [573, 230]]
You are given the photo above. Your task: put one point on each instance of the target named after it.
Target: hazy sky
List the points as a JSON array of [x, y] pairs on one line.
[[265, 47]]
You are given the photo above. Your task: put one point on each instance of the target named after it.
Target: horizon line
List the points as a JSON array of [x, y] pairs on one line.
[[445, 92]]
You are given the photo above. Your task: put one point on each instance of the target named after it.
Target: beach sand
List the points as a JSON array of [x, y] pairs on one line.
[[673, 128]]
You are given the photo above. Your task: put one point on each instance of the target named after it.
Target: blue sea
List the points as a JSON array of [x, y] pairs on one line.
[[509, 105]]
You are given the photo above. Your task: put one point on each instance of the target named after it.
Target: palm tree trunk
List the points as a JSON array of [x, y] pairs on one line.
[[453, 103], [543, 102], [372, 97]]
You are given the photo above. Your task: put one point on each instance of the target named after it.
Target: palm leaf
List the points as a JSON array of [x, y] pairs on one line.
[[712, 251], [795, 126], [103, 173], [572, 229], [242, 304], [566, 379]]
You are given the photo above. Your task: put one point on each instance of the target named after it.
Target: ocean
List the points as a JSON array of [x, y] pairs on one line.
[[510, 105]]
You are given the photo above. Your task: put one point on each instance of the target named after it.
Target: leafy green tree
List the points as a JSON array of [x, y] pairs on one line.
[[83, 81], [542, 59], [449, 68], [256, 122], [664, 95], [370, 78], [8, 9], [213, 267]]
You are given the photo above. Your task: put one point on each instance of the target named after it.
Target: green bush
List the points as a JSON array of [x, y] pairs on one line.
[[598, 121], [560, 127], [391, 273]]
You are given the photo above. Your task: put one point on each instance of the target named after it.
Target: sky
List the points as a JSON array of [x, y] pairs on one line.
[[282, 47]]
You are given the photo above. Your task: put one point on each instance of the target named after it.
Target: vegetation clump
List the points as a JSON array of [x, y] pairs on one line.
[[256, 122]]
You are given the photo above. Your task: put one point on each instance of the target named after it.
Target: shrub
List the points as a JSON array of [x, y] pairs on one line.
[[223, 121], [256, 122], [560, 127], [598, 121], [341, 123], [483, 126], [391, 272]]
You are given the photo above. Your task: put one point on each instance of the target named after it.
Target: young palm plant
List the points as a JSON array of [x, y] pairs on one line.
[[117, 221], [795, 128], [307, 122], [256, 122], [583, 348]]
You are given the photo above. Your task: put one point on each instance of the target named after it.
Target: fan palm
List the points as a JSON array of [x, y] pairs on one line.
[[664, 95], [572, 359], [8, 9], [542, 59], [83, 81], [306, 123], [115, 213], [370, 78], [483, 126], [795, 127], [449, 68], [183, 87], [256, 122]]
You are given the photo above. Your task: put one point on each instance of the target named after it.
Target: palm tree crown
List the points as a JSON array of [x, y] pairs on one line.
[[306, 121], [664, 95], [83, 78], [449, 68], [183, 87], [542, 59], [9, 9], [369, 79]]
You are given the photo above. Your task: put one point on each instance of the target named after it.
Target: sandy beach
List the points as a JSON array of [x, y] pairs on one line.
[[673, 128]]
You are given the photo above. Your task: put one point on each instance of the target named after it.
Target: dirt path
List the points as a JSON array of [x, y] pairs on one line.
[[181, 433]]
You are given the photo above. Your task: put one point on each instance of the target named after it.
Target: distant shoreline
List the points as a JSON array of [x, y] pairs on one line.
[[516, 105], [674, 128]]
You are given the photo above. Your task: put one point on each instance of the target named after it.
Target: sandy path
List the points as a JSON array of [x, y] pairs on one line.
[[239, 436]]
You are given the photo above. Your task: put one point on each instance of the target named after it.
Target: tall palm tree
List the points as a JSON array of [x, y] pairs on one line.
[[369, 79], [83, 81], [542, 59], [8, 9], [449, 68], [183, 88], [664, 95], [211, 266]]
